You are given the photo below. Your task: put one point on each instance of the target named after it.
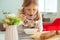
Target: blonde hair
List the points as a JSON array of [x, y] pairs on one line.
[[27, 3]]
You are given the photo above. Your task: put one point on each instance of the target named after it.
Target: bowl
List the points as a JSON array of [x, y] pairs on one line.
[[30, 31]]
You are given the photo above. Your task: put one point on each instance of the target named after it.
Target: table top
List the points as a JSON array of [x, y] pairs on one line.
[[23, 35], [56, 37]]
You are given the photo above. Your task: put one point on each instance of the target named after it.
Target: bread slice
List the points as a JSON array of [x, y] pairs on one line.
[[47, 35]]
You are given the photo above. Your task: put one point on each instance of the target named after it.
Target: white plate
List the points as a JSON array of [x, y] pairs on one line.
[[30, 31]]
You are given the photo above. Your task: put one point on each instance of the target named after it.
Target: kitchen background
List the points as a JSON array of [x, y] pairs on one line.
[[13, 6]]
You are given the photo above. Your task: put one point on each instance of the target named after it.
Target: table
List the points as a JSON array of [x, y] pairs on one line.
[[56, 37], [23, 36]]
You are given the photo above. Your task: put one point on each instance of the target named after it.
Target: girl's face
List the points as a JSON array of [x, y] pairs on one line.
[[31, 9]]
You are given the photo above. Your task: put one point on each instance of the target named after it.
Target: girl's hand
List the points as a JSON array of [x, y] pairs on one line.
[[37, 28], [23, 17]]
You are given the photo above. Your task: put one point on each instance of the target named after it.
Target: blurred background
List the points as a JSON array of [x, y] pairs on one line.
[[50, 10]]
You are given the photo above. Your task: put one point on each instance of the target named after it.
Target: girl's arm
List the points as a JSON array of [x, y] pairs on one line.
[[40, 23], [23, 17]]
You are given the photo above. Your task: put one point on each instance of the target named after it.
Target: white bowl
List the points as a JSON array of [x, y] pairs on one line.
[[30, 31]]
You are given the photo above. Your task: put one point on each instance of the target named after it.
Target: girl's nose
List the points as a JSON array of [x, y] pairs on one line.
[[31, 12]]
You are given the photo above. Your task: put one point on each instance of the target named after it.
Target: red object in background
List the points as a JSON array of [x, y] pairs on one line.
[[53, 26]]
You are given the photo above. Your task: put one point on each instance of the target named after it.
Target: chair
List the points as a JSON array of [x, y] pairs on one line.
[[53, 26]]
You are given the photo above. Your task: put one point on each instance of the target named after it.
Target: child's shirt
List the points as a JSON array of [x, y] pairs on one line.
[[31, 23]]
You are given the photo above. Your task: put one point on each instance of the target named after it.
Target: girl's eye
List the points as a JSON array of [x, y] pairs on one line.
[[34, 9], [29, 9]]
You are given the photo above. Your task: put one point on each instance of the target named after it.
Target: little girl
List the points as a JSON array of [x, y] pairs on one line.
[[30, 15], [32, 18]]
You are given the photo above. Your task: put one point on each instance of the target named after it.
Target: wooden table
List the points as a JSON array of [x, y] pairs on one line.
[[23, 36], [56, 37]]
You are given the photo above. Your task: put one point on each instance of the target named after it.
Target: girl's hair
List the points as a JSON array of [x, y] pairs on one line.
[[27, 3]]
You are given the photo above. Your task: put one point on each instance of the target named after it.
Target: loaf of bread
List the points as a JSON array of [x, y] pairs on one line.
[[47, 35], [58, 32]]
